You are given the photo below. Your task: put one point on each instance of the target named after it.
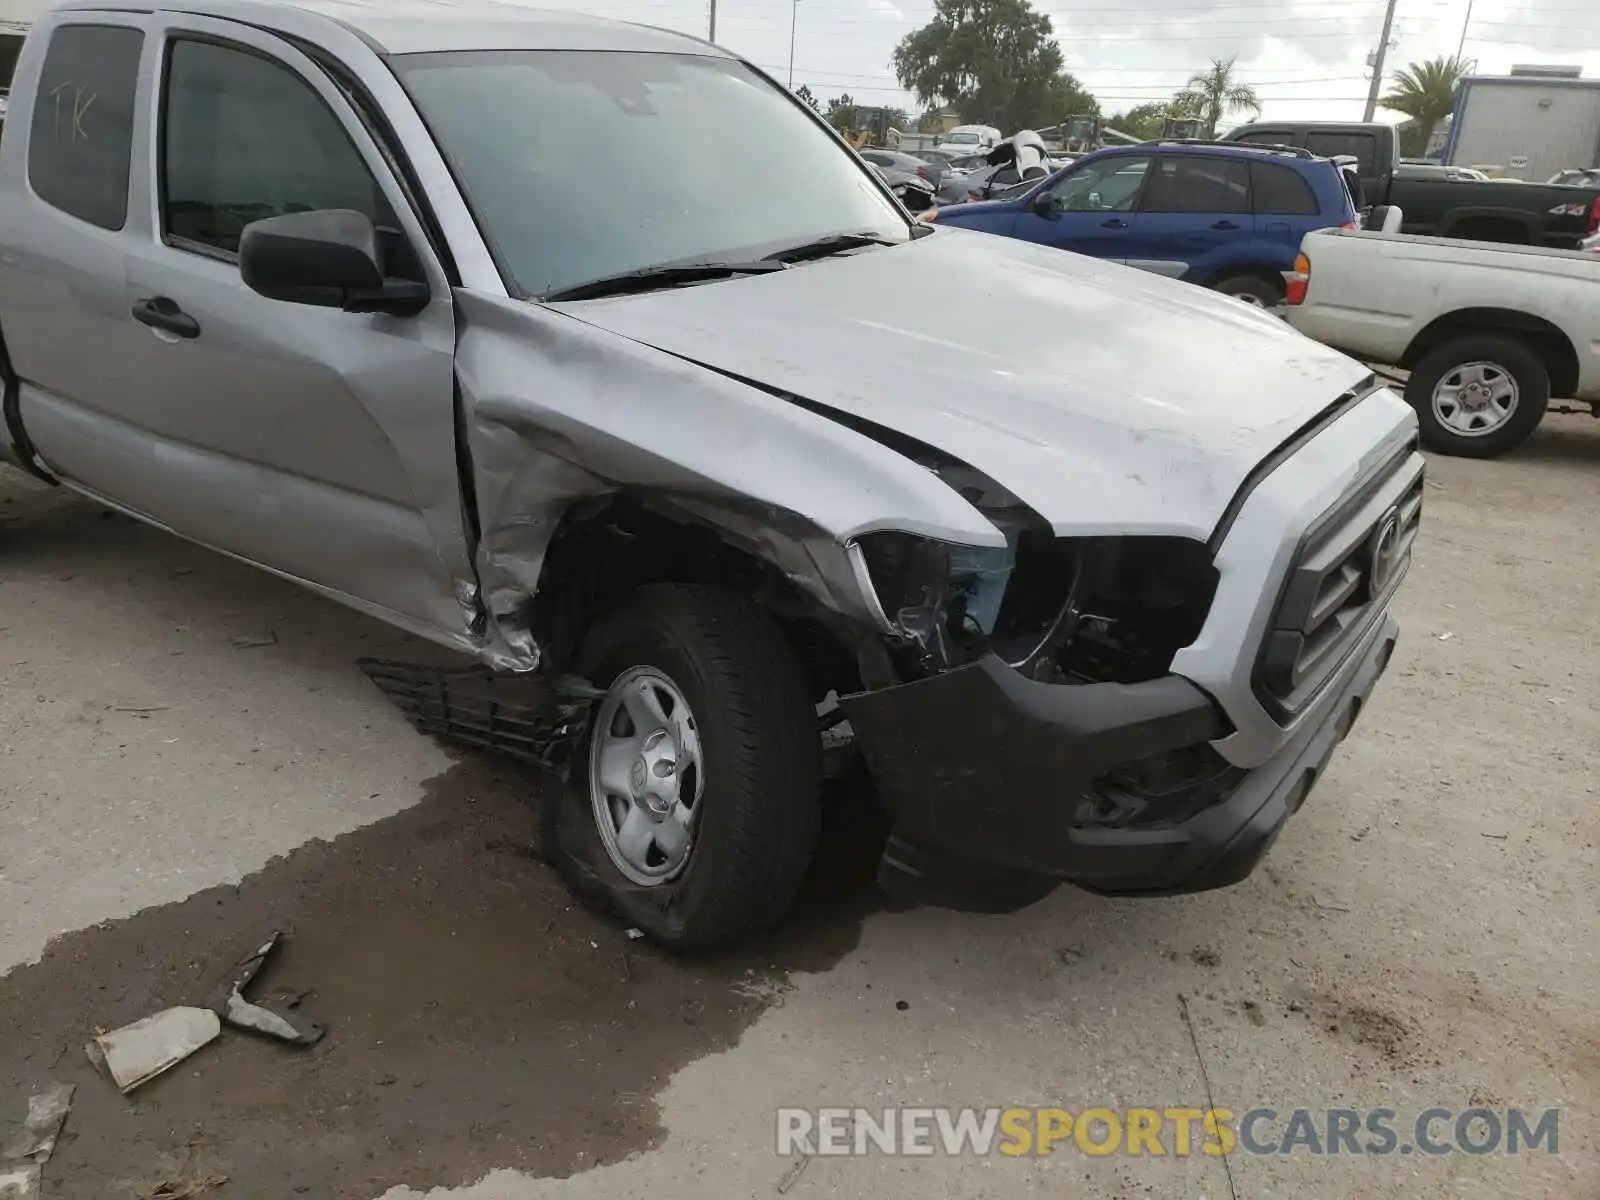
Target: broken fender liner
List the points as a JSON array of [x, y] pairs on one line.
[[535, 719], [230, 1004]]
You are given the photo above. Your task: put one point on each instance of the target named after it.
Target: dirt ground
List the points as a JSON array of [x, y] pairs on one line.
[[189, 759]]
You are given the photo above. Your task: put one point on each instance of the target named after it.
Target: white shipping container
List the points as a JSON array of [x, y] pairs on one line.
[[1531, 127]]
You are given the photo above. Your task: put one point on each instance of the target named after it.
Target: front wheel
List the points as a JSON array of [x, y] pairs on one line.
[[693, 812], [1479, 395]]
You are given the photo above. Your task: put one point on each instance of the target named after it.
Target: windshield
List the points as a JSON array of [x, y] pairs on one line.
[[962, 139], [585, 164]]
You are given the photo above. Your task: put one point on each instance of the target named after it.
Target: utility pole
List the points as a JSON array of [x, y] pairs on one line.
[[712, 36], [1465, 21], [794, 14], [1377, 62]]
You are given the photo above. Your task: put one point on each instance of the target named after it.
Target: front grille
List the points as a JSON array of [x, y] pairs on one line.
[[1344, 573]]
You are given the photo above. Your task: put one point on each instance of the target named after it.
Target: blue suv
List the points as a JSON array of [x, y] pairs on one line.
[[1227, 216]]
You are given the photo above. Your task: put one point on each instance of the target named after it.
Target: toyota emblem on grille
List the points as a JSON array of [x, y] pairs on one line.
[[1383, 553]]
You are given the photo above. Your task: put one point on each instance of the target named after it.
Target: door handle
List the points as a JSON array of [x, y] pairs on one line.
[[159, 312], [1114, 223], [1224, 225]]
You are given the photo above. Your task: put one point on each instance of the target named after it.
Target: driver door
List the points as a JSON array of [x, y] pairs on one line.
[[315, 442], [1089, 209]]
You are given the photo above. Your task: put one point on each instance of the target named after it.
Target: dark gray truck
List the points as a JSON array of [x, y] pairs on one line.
[[1555, 216], [474, 317]]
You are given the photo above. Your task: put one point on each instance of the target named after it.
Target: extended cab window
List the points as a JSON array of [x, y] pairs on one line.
[[1363, 147], [1194, 184], [81, 139], [1281, 192], [246, 138]]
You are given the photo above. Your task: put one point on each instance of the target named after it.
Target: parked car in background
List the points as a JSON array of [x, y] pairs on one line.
[[968, 162], [1488, 331], [1576, 176], [970, 139], [1223, 216], [938, 158], [1488, 210], [913, 191], [1020, 159], [908, 164]]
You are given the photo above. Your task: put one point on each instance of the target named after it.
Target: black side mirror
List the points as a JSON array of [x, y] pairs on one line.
[[1043, 204], [329, 258]]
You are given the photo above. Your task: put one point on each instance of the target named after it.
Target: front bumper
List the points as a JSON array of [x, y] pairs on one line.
[[985, 772]]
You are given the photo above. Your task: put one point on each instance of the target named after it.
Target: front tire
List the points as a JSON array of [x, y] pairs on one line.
[[1479, 395], [694, 808]]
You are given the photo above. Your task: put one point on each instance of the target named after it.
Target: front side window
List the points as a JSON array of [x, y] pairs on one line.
[[1196, 184], [81, 141], [1110, 185], [246, 138], [581, 165]]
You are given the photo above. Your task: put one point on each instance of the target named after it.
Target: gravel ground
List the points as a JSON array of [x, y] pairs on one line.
[[171, 788]]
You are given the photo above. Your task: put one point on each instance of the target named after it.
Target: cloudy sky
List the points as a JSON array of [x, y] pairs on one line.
[[1306, 58]]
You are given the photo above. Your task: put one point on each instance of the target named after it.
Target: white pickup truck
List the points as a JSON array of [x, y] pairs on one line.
[[1488, 331]]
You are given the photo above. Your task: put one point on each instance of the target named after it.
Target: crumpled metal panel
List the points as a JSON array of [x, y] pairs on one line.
[[557, 411]]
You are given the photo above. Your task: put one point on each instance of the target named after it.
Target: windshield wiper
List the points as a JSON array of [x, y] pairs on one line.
[[821, 247], [669, 275]]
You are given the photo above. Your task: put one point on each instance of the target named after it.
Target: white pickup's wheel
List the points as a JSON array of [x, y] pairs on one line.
[[1479, 395], [1475, 399]]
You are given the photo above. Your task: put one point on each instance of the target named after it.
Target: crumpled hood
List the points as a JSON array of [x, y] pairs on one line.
[[1107, 399]]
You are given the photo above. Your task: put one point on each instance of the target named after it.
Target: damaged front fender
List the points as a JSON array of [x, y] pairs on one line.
[[557, 413]]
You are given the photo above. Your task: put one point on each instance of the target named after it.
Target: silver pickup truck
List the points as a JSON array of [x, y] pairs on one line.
[[587, 350]]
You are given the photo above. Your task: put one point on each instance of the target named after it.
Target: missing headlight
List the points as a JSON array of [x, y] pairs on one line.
[[1104, 610], [1060, 610], [944, 600]]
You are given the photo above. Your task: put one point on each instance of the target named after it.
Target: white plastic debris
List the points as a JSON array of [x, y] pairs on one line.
[[19, 1183], [47, 1112], [137, 1053], [635, 934]]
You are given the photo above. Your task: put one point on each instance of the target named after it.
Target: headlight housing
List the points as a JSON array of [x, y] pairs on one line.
[[1068, 610]]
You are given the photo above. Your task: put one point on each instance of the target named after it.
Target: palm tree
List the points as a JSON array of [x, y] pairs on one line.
[[1426, 92], [1213, 94]]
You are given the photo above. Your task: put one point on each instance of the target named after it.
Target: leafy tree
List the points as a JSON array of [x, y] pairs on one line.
[[1426, 92], [1143, 121], [994, 60], [804, 93], [841, 112], [1214, 93]]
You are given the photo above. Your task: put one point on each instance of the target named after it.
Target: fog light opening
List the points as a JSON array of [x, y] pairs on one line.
[[1384, 656], [1302, 790]]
